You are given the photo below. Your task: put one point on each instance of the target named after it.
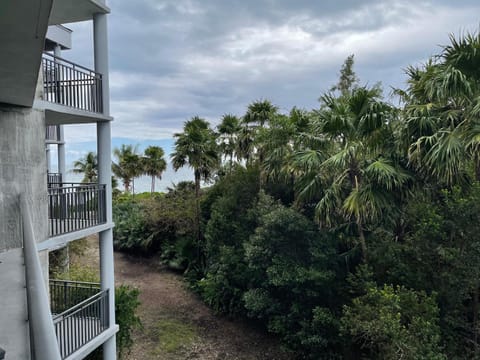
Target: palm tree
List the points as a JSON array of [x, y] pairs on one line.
[[88, 166], [154, 164], [442, 110], [228, 131], [356, 180], [197, 148], [128, 165], [284, 136], [259, 113]]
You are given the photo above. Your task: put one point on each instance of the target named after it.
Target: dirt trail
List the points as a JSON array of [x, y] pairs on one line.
[[178, 326]]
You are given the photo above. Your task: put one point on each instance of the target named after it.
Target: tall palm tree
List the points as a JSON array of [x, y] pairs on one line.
[[228, 131], [284, 136], [127, 166], [88, 166], [154, 164], [442, 109], [258, 115], [196, 147], [356, 180]]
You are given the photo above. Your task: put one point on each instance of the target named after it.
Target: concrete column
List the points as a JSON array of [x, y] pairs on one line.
[[57, 51], [47, 154], [100, 47], [106, 237], [100, 38], [61, 154]]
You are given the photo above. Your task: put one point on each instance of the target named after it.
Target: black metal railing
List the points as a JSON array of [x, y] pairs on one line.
[[52, 133], [74, 206], [69, 84], [65, 294], [54, 179], [83, 317]]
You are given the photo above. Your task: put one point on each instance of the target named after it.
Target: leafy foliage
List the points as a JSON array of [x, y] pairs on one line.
[[126, 304]]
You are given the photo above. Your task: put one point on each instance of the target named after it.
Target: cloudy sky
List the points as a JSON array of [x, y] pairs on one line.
[[173, 59]]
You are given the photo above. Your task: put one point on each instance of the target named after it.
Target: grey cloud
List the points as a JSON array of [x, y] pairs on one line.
[[173, 59]]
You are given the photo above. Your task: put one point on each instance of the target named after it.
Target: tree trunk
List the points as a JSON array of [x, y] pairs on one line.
[[197, 183], [475, 321], [477, 167], [133, 188], [363, 242], [197, 216], [152, 189]]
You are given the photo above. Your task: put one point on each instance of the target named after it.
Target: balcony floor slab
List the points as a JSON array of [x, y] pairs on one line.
[[56, 114], [60, 241]]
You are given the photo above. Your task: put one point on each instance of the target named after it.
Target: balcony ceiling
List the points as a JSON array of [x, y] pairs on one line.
[[23, 25], [68, 11]]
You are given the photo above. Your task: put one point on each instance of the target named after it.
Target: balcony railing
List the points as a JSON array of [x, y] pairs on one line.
[[54, 179], [69, 84], [80, 313], [73, 207]]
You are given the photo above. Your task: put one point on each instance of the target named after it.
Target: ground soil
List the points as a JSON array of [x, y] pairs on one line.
[[165, 297]]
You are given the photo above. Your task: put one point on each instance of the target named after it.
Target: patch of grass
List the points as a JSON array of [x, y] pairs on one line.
[[79, 273], [173, 335], [78, 247]]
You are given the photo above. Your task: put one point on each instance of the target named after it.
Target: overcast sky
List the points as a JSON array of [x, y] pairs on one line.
[[173, 59]]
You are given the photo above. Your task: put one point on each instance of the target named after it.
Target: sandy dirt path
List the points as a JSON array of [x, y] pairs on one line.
[[192, 331]]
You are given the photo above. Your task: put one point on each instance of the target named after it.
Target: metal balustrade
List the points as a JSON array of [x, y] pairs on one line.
[[54, 179], [84, 313], [75, 206], [65, 294], [69, 84]]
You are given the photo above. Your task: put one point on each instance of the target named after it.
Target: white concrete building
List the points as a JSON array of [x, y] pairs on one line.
[[40, 93]]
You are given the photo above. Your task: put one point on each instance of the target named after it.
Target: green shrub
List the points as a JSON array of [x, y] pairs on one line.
[[126, 304], [394, 323]]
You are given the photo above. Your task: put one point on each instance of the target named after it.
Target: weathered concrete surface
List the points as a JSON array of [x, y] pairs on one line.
[[22, 171], [14, 331]]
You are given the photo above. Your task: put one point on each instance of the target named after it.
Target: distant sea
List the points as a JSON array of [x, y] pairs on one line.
[[77, 150], [143, 183]]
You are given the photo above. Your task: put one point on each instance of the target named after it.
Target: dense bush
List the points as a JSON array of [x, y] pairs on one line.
[[126, 304], [160, 224], [394, 323]]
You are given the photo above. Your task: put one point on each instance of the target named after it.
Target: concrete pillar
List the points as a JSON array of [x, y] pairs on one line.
[[47, 154], [100, 38], [57, 51], [100, 47], [61, 154]]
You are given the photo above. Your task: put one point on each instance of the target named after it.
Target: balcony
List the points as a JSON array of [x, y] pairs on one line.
[[80, 313], [54, 179], [73, 207], [68, 84]]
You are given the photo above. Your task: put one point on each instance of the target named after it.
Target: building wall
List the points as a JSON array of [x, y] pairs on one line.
[[22, 172]]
